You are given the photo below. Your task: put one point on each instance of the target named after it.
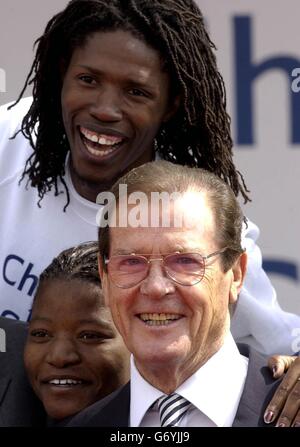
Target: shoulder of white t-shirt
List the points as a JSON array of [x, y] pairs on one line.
[[13, 152], [15, 114]]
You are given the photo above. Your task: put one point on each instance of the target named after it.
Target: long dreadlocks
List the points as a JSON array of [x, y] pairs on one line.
[[197, 136]]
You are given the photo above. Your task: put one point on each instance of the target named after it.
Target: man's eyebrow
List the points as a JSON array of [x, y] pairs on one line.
[[124, 252], [169, 249], [88, 67], [133, 78]]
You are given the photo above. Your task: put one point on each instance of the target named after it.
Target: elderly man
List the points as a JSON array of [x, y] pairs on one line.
[[171, 275], [114, 84]]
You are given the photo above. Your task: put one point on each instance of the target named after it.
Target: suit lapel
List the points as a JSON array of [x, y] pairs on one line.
[[5, 375], [4, 384]]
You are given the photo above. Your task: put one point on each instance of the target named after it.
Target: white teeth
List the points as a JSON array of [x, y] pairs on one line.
[[98, 153], [65, 382], [94, 139], [104, 140]]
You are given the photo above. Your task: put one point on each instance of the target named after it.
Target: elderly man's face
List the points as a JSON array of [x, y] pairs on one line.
[[196, 318]]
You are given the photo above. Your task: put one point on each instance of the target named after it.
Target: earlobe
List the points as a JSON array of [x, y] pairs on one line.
[[239, 272]]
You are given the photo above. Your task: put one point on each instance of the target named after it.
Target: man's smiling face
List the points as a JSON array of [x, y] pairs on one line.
[[193, 320], [115, 97]]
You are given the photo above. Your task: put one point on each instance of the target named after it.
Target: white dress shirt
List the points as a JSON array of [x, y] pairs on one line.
[[214, 390]]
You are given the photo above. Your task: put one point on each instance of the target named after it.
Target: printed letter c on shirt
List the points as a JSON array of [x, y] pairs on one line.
[[6, 262]]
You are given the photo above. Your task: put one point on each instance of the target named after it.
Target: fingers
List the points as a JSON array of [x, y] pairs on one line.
[[279, 364], [296, 422], [286, 401], [290, 415]]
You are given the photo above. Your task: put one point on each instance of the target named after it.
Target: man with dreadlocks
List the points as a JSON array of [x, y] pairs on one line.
[[116, 84]]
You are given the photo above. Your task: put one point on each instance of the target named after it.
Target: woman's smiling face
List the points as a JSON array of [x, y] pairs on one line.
[[74, 355]]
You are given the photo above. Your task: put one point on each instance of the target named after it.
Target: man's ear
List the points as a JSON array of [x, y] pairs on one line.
[[239, 271], [100, 267], [103, 277], [173, 108]]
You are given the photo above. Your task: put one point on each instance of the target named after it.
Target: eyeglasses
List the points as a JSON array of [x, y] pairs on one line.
[[186, 269]]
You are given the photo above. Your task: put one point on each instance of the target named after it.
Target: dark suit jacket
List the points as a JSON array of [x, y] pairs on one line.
[[113, 410], [18, 404]]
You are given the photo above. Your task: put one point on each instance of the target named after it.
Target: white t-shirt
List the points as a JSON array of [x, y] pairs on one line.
[[30, 237]]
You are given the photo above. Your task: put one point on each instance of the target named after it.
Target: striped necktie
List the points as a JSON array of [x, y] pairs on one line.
[[171, 409]]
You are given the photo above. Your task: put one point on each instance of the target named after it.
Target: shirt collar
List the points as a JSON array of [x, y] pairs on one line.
[[89, 211], [215, 388], [142, 395]]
